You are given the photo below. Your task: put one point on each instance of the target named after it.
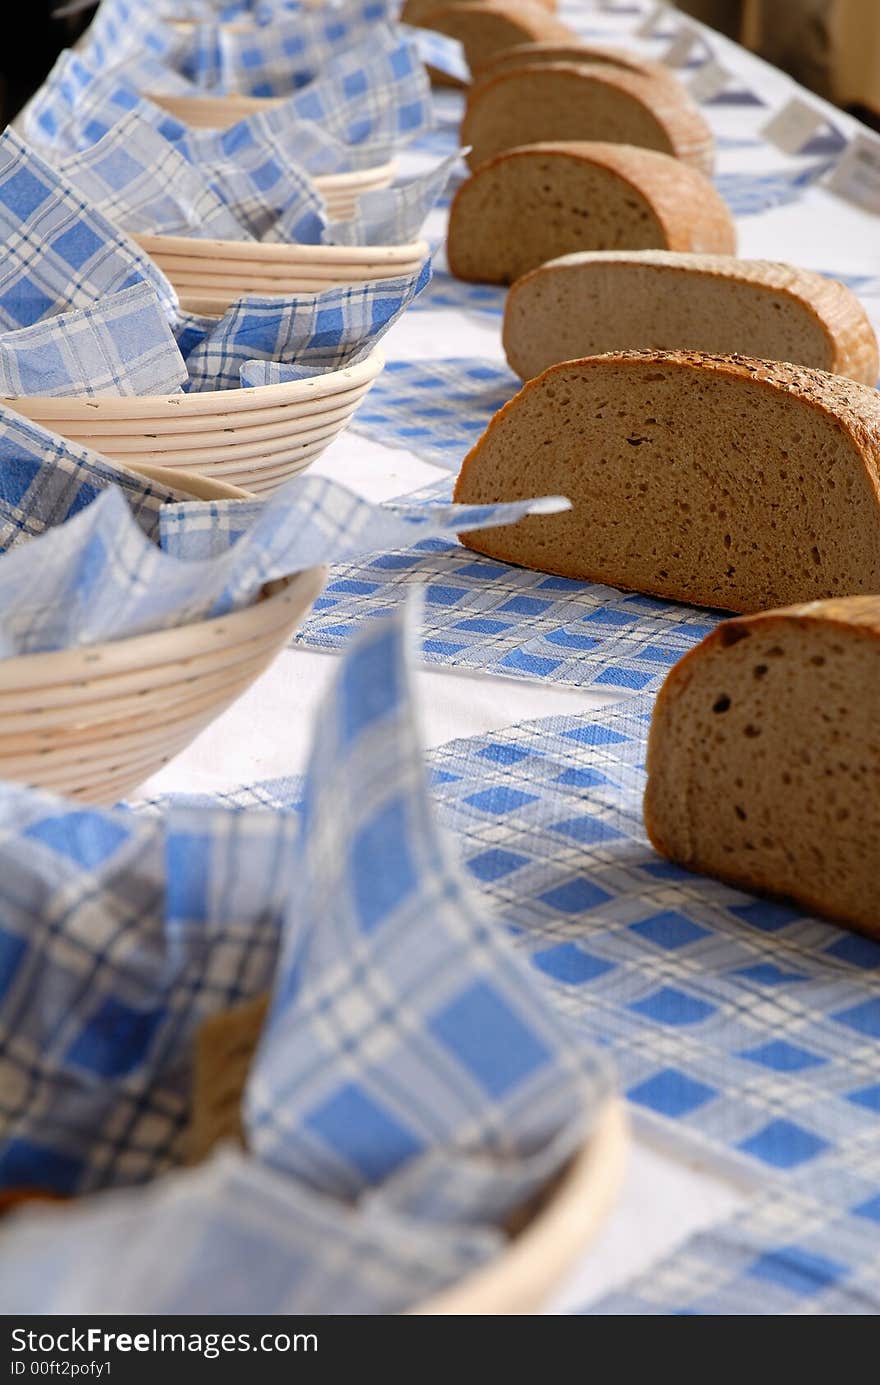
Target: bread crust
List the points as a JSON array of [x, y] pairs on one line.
[[691, 214], [414, 11], [834, 308], [860, 617], [528, 22], [676, 117], [544, 51], [850, 407]]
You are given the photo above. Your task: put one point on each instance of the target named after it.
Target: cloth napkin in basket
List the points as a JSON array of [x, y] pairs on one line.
[[142, 182], [98, 577], [440, 52], [372, 99], [392, 216], [119, 346], [58, 253], [45, 480], [282, 50], [240, 185], [260, 169], [412, 1087], [264, 341]]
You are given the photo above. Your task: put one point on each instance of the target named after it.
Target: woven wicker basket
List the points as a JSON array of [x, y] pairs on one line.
[[253, 438], [524, 1276], [217, 272], [94, 723], [340, 191], [545, 1237]]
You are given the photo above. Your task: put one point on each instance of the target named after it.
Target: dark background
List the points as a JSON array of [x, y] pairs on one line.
[[38, 40]]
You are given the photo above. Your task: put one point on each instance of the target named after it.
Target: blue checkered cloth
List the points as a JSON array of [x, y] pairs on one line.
[[749, 194], [58, 252], [248, 169], [262, 341], [745, 1024], [744, 1029], [131, 30], [121, 345], [490, 618], [243, 1239], [97, 577], [440, 52], [78, 104], [376, 91], [284, 48], [45, 480], [392, 216], [259, 169], [475, 300], [436, 408], [143, 183], [411, 1076]]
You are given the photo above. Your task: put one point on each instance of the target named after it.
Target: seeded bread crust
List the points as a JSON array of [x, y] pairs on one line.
[[852, 348], [541, 53], [487, 29], [583, 101], [686, 210], [843, 526], [414, 11], [802, 858]]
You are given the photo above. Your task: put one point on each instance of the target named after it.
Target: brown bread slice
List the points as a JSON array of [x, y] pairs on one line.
[[486, 29], [723, 481], [571, 101], [540, 54], [764, 758], [589, 303], [225, 1045], [530, 205], [414, 11]]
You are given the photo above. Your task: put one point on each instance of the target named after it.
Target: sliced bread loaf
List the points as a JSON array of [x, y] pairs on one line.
[[486, 29], [723, 481], [764, 758], [570, 101], [540, 54], [530, 205], [612, 300], [414, 11]]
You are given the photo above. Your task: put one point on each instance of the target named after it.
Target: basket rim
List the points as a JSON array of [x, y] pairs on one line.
[[330, 182], [529, 1269], [208, 403], [280, 252], [181, 643]]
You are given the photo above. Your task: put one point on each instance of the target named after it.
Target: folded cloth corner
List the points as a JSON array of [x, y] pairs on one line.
[[120, 346]]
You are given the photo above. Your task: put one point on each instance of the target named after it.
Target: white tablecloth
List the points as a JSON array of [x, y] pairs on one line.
[[669, 1192]]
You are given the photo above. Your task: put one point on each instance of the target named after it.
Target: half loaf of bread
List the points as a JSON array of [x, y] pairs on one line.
[[722, 481], [414, 11], [611, 300], [532, 204], [764, 758], [487, 29], [541, 53], [571, 101]]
